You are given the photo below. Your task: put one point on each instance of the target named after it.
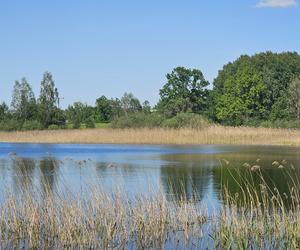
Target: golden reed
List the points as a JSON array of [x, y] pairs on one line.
[[210, 135]]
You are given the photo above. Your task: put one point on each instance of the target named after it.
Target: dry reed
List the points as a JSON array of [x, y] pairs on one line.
[[257, 217], [210, 135]]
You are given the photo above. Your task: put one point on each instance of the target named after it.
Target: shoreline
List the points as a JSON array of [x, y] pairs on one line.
[[211, 136]]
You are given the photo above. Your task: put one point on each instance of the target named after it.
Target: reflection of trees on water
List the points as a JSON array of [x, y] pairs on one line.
[[49, 168], [235, 177], [185, 183], [190, 178], [23, 173]]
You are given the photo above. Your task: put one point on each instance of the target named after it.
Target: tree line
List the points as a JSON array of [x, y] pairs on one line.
[[259, 90]]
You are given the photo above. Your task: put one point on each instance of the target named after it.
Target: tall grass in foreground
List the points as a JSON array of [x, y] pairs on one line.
[[257, 217], [207, 135]]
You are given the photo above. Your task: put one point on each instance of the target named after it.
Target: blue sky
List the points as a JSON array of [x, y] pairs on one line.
[[97, 47]]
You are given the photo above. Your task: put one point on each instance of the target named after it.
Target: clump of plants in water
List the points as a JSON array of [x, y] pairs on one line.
[[256, 215]]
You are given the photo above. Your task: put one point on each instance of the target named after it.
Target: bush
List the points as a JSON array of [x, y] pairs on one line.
[[10, 125], [186, 120], [153, 120], [138, 120], [53, 127], [76, 124], [281, 124], [89, 122], [31, 125]]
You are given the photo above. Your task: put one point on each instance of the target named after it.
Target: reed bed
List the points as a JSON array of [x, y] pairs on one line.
[[257, 217], [210, 135]]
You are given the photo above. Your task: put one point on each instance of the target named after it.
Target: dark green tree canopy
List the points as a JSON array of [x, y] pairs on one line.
[[4, 111], [185, 91], [255, 87]]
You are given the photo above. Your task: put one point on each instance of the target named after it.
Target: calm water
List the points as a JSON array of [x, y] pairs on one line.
[[176, 170]]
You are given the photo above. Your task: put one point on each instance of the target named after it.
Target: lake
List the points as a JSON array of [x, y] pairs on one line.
[[177, 171]]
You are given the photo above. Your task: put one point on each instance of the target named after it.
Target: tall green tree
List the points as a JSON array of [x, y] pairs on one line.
[[49, 112], [245, 97], [104, 109], [4, 110], [294, 97], [130, 104], [185, 91], [78, 113], [255, 88], [23, 102]]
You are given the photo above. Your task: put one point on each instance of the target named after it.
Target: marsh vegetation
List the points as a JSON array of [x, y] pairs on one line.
[[254, 213]]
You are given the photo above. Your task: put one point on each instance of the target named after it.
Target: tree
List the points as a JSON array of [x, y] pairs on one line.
[[255, 88], [23, 101], [294, 97], [130, 104], [49, 112], [3, 112], [244, 98], [185, 91], [104, 109], [78, 113], [146, 107]]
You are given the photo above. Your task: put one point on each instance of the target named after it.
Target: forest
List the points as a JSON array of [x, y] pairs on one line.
[[259, 90]]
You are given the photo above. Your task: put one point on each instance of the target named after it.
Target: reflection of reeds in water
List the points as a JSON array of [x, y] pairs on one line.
[[254, 214], [210, 135], [102, 221]]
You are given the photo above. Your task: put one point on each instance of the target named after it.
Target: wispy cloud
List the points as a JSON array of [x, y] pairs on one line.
[[276, 3]]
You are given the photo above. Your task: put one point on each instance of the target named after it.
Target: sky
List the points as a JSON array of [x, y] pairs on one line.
[[107, 47]]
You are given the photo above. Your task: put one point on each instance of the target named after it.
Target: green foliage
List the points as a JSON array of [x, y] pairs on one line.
[[130, 104], [245, 97], [49, 112], [259, 90], [294, 98], [53, 127], [185, 91], [4, 112], [138, 120], [107, 109], [291, 124], [23, 103], [90, 122], [10, 125], [142, 120], [256, 88], [186, 120], [31, 125], [78, 113]]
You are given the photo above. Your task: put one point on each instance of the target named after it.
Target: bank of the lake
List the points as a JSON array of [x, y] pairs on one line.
[[210, 135]]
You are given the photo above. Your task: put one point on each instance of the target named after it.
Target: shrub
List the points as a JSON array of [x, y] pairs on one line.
[[138, 120], [53, 127], [281, 124], [89, 122], [76, 124], [31, 125], [10, 125], [186, 120]]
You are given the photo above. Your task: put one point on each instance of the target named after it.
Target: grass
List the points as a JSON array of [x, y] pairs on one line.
[[260, 218], [83, 126], [210, 135]]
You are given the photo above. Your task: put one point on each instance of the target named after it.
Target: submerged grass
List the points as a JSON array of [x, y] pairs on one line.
[[258, 216], [209, 135]]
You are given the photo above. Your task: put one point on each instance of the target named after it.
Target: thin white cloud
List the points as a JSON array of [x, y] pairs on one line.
[[276, 3]]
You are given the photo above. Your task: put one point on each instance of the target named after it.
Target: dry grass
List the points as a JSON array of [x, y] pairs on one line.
[[258, 219], [211, 135]]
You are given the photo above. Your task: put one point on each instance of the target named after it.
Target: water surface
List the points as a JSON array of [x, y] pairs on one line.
[[179, 171]]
